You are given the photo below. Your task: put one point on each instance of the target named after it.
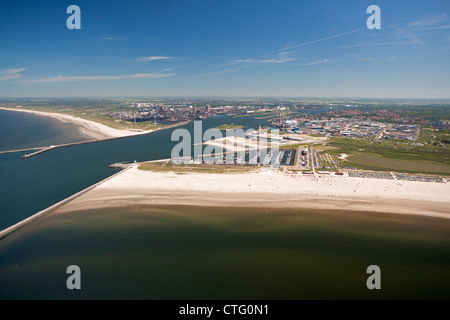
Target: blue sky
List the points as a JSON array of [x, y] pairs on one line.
[[296, 48]]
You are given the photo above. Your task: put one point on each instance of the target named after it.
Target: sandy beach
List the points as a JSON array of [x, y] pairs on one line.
[[88, 128], [267, 188]]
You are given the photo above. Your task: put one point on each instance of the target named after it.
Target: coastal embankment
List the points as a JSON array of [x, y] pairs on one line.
[[5, 232]]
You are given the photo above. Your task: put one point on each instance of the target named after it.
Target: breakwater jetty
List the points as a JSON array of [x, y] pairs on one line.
[[11, 229]]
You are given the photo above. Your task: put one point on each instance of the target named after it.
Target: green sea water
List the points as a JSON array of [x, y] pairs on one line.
[[190, 252]]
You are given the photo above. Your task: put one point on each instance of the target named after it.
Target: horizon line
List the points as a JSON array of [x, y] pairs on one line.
[[227, 96]]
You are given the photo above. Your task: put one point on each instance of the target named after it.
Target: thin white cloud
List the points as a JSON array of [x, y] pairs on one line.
[[429, 21], [280, 57], [294, 46], [235, 65], [314, 63], [377, 60], [272, 60], [407, 35], [228, 70], [154, 58], [8, 74], [447, 40], [90, 78], [413, 32], [412, 41], [282, 54], [399, 35], [115, 38], [182, 66], [447, 26]]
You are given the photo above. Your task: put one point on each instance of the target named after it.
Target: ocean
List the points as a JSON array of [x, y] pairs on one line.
[[183, 252], [20, 130], [189, 252]]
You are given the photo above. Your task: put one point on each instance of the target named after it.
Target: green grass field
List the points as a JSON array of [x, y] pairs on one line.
[[430, 154], [439, 154], [194, 168], [229, 127]]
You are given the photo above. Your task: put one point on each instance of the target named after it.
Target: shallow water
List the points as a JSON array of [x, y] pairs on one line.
[[188, 252], [20, 130]]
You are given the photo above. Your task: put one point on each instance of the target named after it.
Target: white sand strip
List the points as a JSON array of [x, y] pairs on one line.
[[91, 129], [268, 189]]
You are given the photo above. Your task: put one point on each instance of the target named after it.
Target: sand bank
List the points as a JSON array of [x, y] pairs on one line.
[[88, 128], [268, 188]]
